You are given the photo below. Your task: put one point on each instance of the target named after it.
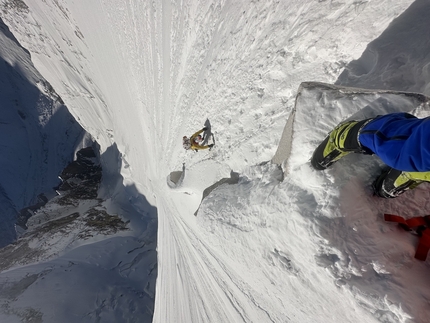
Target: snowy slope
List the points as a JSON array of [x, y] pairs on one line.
[[328, 219], [139, 75]]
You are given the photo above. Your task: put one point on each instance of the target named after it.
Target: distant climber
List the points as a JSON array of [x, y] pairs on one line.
[[401, 140], [195, 142]]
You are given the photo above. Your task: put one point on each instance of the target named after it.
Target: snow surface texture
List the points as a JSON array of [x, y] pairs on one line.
[[139, 75]]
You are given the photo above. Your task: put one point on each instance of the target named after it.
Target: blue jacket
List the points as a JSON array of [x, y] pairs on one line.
[[401, 140]]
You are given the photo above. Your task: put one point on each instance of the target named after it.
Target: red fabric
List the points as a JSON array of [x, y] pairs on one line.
[[424, 243], [413, 222], [423, 246]]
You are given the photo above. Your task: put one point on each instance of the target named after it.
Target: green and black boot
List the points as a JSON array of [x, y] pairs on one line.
[[339, 143], [392, 182]]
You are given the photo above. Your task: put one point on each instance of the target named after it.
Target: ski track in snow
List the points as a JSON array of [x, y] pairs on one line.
[[139, 75]]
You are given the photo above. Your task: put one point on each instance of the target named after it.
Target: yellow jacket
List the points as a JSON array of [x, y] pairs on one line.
[[195, 145]]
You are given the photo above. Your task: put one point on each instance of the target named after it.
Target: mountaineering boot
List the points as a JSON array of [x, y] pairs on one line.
[[392, 182], [339, 143]]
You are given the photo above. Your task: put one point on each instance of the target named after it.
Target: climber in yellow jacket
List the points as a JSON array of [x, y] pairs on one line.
[[195, 141]]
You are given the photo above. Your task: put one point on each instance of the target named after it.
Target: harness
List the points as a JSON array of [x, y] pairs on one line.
[[422, 229]]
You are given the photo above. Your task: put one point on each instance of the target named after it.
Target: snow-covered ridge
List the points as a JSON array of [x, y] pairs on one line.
[[372, 106], [39, 136]]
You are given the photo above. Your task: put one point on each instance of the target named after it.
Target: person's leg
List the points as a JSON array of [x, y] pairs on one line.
[[392, 182], [339, 143], [400, 140]]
